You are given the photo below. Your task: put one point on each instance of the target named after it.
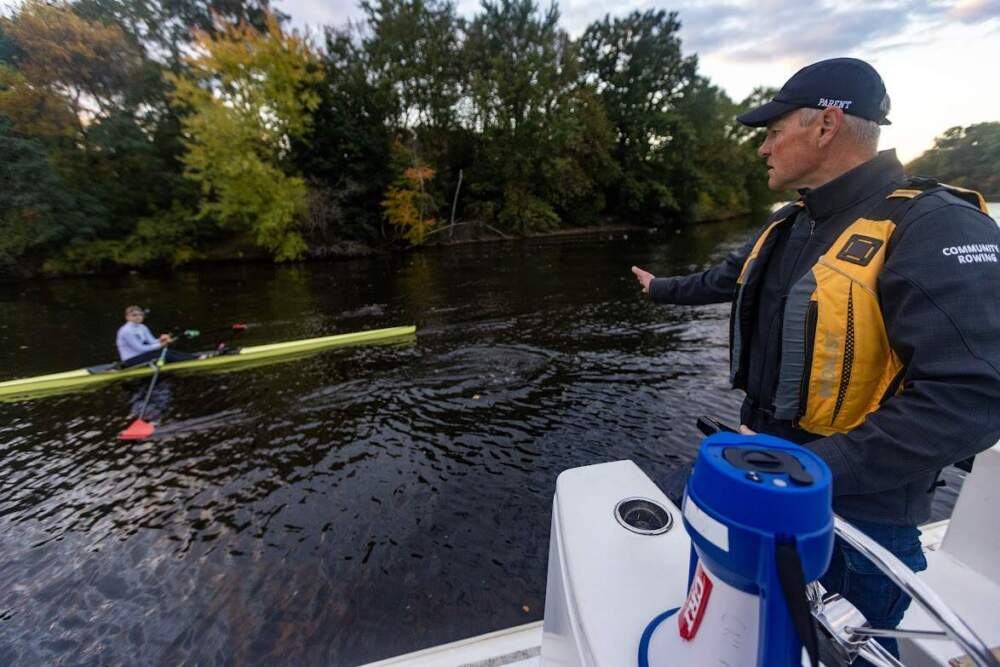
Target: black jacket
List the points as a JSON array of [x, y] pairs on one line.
[[943, 321]]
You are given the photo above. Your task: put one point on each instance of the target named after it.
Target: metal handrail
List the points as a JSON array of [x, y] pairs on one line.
[[896, 633], [957, 629]]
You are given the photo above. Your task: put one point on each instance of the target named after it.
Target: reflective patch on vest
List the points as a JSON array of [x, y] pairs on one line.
[[860, 249], [828, 371]]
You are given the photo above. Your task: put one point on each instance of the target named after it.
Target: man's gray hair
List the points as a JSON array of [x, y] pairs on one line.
[[861, 131]]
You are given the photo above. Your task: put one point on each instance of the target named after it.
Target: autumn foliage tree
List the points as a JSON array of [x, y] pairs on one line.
[[68, 72], [65, 115], [407, 204], [248, 94], [136, 133]]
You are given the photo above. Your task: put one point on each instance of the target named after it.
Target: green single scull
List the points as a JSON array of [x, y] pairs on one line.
[[83, 377]]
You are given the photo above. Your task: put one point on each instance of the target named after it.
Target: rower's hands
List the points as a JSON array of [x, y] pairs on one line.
[[644, 278], [166, 339]]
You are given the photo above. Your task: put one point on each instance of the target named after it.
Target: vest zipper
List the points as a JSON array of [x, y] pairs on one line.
[[848, 361]]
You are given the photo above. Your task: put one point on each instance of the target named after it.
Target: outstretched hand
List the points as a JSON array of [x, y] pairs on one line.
[[166, 339], [644, 278]]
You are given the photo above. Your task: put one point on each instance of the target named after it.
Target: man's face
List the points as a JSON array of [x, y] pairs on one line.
[[135, 316], [790, 151]]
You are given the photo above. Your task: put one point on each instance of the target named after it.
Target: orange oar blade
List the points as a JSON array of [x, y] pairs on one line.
[[139, 430]]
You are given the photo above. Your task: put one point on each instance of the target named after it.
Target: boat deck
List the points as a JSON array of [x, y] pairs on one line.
[[521, 646]]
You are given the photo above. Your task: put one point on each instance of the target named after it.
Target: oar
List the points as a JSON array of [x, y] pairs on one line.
[[141, 429]]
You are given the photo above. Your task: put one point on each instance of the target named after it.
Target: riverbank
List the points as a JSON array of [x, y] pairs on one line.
[[461, 233], [242, 251]]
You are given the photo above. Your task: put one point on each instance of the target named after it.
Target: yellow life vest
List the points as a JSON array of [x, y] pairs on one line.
[[836, 365]]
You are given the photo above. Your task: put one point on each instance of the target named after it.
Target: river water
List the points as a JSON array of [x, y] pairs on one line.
[[357, 503]]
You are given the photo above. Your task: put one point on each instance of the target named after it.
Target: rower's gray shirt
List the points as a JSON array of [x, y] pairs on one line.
[[133, 339]]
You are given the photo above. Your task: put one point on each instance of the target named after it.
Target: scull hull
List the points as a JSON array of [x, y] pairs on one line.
[[70, 380]]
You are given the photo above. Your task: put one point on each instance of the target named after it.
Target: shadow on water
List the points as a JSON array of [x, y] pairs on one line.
[[349, 505]]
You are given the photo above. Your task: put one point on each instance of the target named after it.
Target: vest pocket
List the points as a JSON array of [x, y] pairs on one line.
[[830, 393], [851, 363]]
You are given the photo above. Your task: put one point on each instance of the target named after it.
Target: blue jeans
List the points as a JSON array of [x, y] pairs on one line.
[[863, 584]]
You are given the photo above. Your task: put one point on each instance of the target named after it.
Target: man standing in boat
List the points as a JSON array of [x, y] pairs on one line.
[[136, 344], [866, 318]]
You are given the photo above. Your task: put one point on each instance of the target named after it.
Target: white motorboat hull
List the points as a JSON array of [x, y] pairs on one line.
[[605, 584]]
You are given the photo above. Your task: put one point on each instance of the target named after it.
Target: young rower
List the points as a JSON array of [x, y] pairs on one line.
[[137, 345]]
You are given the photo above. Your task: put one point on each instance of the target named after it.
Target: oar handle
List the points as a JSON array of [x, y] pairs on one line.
[[177, 333]]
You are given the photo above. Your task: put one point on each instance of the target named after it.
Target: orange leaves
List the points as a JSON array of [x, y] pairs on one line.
[[408, 205], [419, 174]]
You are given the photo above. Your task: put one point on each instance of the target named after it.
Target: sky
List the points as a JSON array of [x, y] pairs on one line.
[[940, 59]]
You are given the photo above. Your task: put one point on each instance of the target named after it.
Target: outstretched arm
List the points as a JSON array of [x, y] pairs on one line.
[[715, 285]]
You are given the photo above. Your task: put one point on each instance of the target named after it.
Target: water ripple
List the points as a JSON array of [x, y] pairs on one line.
[[345, 506]]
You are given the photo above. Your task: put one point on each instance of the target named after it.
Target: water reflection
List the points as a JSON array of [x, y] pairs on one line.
[[349, 505]]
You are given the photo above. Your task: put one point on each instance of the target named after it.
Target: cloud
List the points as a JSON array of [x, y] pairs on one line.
[[739, 31], [776, 30], [320, 13], [975, 11]]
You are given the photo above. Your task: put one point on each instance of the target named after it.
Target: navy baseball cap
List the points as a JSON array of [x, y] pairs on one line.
[[848, 83]]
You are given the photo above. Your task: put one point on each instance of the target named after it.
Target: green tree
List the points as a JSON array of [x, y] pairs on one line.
[[346, 151], [65, 84], [968, 157], [162, 31], [413, 47], [166, 28], [412, 54], [543, 139], [640, 73], [707, 165], [751, 168], [250, 95], [36, 208], [580, 166], [719, 171]]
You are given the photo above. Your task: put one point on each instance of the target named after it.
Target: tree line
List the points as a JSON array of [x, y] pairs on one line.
[[158, 132], [968, 157]]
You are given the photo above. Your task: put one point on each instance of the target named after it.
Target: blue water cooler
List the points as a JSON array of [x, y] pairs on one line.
[[758, 511]]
